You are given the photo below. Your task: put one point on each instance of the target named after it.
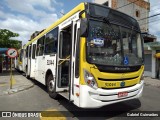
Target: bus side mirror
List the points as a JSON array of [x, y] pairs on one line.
[[84, 27]]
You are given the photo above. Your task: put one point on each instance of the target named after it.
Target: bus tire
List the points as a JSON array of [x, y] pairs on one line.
[[51, 87]]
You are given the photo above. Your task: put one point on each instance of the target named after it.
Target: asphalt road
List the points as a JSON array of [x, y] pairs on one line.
[[37, 99]]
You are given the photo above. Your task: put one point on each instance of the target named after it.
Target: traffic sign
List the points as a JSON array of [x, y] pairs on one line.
[[12, 53]]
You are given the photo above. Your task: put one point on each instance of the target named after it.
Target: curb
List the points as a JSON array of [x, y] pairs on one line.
[[16, 90]]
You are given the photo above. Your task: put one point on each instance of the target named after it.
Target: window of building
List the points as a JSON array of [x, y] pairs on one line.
[[51, 41], [137, 13]]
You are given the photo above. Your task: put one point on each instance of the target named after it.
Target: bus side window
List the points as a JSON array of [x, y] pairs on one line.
[[37, 48], [51, 42], [33, 51], [27, 52], [77, 55], [40, 46]]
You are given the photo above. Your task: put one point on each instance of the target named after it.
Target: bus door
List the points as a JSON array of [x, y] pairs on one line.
[[65, 64], [32, 65], [72, 79], [40, 61], [24, 60], [28, 61]]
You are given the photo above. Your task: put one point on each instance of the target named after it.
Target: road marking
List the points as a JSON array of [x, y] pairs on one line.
[[3, 84], [8, 82], [56, 115]]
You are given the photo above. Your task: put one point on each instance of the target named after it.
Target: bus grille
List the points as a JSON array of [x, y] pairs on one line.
[[121, 79]]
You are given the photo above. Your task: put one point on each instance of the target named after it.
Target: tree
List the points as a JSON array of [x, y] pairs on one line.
[[6, 41]]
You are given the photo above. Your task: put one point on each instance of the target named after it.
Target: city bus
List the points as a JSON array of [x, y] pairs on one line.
[[93, 56]]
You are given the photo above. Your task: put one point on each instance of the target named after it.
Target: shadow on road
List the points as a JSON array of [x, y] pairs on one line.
[[39, 85]]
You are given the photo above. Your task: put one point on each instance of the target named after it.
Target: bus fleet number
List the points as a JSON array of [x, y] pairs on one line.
[[50, 62]]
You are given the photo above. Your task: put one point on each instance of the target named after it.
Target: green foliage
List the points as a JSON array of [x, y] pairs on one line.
[[6, 41]]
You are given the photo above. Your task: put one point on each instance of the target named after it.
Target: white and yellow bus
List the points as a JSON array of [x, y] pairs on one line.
[[93, 56]]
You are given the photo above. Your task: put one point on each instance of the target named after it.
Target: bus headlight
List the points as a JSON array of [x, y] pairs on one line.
[[90, 80]]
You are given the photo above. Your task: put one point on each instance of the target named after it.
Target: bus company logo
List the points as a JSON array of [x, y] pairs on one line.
[[122, 84], [120, 68]]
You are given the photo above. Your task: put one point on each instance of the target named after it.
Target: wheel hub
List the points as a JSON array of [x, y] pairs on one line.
[[51, 85]]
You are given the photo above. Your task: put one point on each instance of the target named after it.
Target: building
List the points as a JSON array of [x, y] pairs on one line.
[[139, 9], [152, 59]]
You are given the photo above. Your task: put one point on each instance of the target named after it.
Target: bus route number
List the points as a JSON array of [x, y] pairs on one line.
[[50, 62]]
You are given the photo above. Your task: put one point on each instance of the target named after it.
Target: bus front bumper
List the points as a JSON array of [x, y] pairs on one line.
[[91, 98]]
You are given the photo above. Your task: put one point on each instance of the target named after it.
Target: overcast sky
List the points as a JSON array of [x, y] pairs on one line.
[[26, 16]]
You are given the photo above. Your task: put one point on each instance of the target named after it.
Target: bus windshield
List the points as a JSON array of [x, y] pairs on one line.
[[114, 45]]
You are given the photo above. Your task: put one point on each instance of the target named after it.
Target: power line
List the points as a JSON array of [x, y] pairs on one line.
[[146, 12], [151, 10], [142, 13], [127, 4], [62, 13], [149, 22], [149, 16], [152, 23]]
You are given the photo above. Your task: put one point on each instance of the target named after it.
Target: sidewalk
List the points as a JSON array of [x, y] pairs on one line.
[[152, 82], [19, 82]]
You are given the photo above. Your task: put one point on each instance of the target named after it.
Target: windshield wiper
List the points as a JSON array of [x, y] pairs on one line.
[[106, 20]]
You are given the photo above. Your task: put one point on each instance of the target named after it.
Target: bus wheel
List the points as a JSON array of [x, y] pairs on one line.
[[51, 87]]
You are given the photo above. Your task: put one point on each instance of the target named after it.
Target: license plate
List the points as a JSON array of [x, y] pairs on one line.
[[122, 94]]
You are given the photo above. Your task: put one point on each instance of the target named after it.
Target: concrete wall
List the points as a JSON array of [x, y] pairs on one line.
[[153, 64], [148, 64]]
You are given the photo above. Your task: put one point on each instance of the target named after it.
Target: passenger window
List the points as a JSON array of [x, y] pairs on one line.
[[27, 52], [33, 51], [40, 46], [51, 41]]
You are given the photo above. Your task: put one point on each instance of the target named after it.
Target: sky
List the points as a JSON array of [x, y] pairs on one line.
[[154, 22], [27, 16]]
